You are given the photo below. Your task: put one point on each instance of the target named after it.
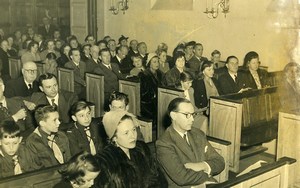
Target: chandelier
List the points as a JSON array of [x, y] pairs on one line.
[[215, 7], [116, 6]]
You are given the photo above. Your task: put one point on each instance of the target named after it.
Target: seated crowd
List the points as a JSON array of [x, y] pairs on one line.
[[43, 126]]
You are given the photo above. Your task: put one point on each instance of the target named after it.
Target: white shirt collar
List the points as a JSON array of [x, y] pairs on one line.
[[28, 83], [55, 99], [4, 102]]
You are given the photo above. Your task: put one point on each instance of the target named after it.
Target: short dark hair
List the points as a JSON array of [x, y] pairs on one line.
[[42, 111], [46, 76], [104, 50], [77, 167], [9, 129], [138, 56], [51, 56], [118, 96], [101, 41], [31, 44], [249, 56], [86, 38], [230, 57], [206, 64], [72, 50], [173, 105], [197, 44], [186, 76], [215, 52], [78, 106], [177, 55]]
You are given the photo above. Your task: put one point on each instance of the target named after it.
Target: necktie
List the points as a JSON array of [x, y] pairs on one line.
[[109, 67], [17, 169], [185, 139], [92, 145], [57, 153], [30, 86], [235, 78], [53, 103]]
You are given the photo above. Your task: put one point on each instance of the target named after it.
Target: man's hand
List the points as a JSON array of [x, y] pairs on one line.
[[197, 166], [21, 114], [29, 105]]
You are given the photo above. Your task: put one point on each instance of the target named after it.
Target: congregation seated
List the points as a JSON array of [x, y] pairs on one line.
[[25, 85], [150, 80], [51, 95], [95, 60], [80, 171], [32, 53], [85, 52], [79, 68], [14, 156], [122, 60], [196, 61], [15, 110], [84, 134], [200, 120], [142, 51], [185, 155], [289, 88], [133, 49], [64, 58], [137, 61], [257, 77], [50, 64], [49, 145], [233, 81], [205, 86], [50, 48], [126, 162]]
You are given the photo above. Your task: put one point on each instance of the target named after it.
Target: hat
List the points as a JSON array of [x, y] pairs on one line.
[[111, 120], [122, 38], [149, 57], [191, 43]]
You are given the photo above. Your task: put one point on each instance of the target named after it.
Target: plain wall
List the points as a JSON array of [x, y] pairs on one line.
[[248, 26]]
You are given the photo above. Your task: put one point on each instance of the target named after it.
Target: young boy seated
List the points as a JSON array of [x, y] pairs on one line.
[[138, 65], [14, 156], [50, 146], [84, 134]]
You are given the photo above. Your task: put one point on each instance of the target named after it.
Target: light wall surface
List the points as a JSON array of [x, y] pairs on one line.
[[249, 25]]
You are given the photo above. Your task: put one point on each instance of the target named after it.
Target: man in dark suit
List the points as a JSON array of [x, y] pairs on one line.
[[13, 109], [25, 85], [184, 152], [95, 61], [47, 29], [142, 49], [51, 95], [4, 69], [111, 73], [233, 81], [122, 60], [197, 60], [84, 133]]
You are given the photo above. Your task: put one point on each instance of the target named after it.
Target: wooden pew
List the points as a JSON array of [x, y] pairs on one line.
[[288, 140], [244, 119], [165, 96], [274, 175], [95, 92], [131, 87], [146, 128], [15, 67], [44, 178], [40, 68], [66, 79]]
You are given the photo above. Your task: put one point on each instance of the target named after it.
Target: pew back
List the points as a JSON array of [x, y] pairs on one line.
[[165, 96], [244, 119], [66, 79], [15, 67], [44, 178], [146, 128], [132, 89], [95, 92]]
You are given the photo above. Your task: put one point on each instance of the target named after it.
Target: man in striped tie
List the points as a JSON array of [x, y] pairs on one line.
[[50, 145], [14, 157]]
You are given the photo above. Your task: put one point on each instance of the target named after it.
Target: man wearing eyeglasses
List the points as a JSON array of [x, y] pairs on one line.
[[183, 151], [25, 85]]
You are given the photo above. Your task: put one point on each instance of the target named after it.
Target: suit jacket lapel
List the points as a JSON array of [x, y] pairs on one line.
[[182, 145]]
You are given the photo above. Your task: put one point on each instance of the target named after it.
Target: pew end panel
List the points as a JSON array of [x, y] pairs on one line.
[[15, 67], [288, 142], [66, 79], [95, 92], [164, 97], [222, 147], [44, 178], [225, 121], [146, 128], [132, 89], [271, 175]]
